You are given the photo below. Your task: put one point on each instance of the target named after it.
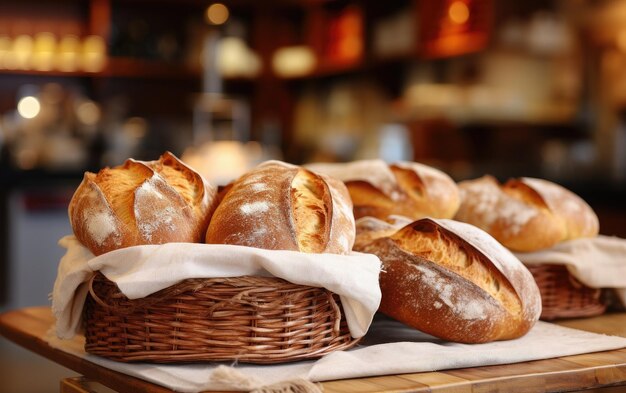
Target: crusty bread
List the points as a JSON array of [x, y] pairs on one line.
[[279, 206], [526, 214], [141, 202], [451, 280], [371, 228], [404, 188]]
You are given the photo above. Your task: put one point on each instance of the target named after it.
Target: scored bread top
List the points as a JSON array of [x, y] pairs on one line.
[[580, 219], [311, 209], [485, 205], [141, 203], [526, 214], [431, 243], [432, 191], [280, 206], [451, 280], [493, 253], [410, 189]]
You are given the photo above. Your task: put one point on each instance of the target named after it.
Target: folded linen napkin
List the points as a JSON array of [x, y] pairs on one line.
[[598, 262], [142, 270]]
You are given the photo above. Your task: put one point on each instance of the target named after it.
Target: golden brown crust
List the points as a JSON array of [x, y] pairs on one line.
[[427, 192], [453, 281], [311, 210], [369, 201], [141, 203], [278, 206], [525, 214], [371, 228], [404, 188], [578, 217]]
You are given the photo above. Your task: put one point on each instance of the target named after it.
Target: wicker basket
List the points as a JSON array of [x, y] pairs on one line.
[[245, 319], [563, 296]]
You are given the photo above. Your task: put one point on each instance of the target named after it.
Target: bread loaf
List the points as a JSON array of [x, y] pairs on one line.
[[279, 206], [404, 188], [371, 228], [141, 202], [526, 214], [451, 280]]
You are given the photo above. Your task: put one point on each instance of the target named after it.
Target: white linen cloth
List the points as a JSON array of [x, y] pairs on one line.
[[388, 348], [142, 270], [598, 262]]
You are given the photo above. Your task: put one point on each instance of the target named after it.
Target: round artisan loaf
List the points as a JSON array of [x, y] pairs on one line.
[[141, 202], [280, 206], [451, 280], [526, 214], [408, 189]]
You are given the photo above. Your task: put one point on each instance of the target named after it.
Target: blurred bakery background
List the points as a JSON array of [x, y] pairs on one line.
[[532, 88]]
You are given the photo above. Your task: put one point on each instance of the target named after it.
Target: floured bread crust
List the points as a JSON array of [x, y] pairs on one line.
[[526, 214], [279, 206], [452, 280], [404, 188], [141, 202]]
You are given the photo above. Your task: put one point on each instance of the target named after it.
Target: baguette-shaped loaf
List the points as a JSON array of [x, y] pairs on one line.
[[279, 206], [141, 202], [526, 214], [451, 280], [408, 189]]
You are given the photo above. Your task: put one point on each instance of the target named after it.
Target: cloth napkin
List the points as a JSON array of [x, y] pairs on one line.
[[598, 262], [142, 270], [388, 348]]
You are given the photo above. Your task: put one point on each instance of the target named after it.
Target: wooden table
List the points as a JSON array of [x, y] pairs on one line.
[[27, 328]]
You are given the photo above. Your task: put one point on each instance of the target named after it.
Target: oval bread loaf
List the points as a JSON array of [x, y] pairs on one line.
[[451, 280], [279, 206], [526, 214], [408, 189], [141, 202]]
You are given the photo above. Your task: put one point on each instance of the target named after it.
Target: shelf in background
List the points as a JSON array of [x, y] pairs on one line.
[[122, 67], [142, 68], [329, 70], [51, 73]]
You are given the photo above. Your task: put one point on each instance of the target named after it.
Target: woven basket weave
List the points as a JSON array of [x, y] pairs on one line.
[[245, 319], [563, 296]]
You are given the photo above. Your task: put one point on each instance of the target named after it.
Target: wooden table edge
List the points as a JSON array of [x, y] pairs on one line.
[[113, 379], [121, 382]]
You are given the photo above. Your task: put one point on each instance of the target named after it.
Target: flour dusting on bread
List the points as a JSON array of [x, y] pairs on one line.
[[282, 206], [464, 306], [100, 225], [141, 202]]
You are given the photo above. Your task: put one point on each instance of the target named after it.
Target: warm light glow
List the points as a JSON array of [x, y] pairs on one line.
[[67, 56], [28, 107], [235, 58], [217, 14], [135, 127], [88, 113], [5, 47], [44, 50], [459, 12], [294, 61], [220, 162], [21, 53], [94, 53]]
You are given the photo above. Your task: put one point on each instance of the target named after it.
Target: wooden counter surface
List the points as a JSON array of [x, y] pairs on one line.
[[27, 327]]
